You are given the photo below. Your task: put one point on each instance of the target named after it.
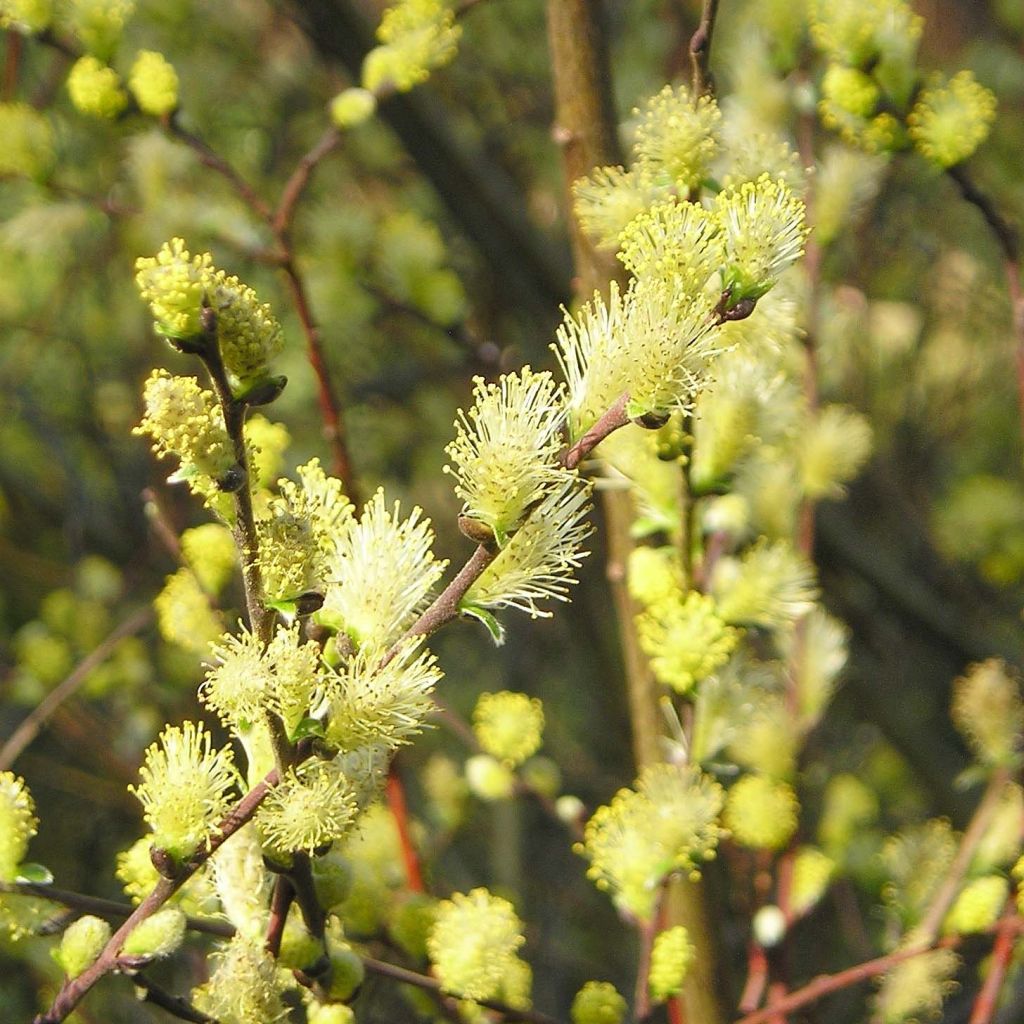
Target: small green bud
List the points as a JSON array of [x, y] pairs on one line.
[[299, 950], [332, 876], [411, 922], [352, 107], [347, 972], [81, 943], [332, 1013], [598, 1002], [488, 778], [542, 775], [157, 936]]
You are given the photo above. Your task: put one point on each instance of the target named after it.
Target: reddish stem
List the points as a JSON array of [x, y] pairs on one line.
[[396, 801], [280, 904], [985, 1005]]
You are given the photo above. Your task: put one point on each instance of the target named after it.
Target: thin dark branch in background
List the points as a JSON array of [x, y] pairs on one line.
[[700, 50], [176, 1006], [41, 713]]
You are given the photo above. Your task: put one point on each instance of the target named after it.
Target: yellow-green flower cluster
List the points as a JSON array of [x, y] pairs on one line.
[[916, 861], [28, 140], [598, 1002], [352, 106], [312, 806], [83, 940], [653, 574], [951, 119], [186, 789], [671, 956], [417, 36], [300, 530], [98, 24], [185, 420], [763, 228], [17, 824], [685, 639], [210, 552], [676, 138], [367, 703], [177, 285], [156, 936], [26, 15], [988, 710], [761, 812], [669, 823], [505, 450], [857, 32], [380, 572], [978, 906], [154, 83], [832, 450], [915, 988], [540, 560], [95, 89], [609, 199], [508, 725], [252, 679], [474, 940], [812, 872], [488, 778], [769, 586], [244, 986], [184, 614]]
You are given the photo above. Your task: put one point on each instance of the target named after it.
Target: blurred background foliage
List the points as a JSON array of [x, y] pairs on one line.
[[434, 246]]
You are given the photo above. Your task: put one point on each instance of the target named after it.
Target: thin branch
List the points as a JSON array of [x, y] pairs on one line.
[[281, 219], [396, 973], [396, 802], [985, 1005], [74, 990], [280, 903], [107, 908], [975, 832], [176, 1006], [614, 418], [700, 50], [210, 158], [826, 984], [27, 731], [1008, 238]]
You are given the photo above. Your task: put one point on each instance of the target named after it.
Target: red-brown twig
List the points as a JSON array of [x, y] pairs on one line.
[[75, 989], [985, 1005], [410, 858]]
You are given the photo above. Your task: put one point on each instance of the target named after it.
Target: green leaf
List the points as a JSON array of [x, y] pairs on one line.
[[38, 874], [307, 727], [494, 627]]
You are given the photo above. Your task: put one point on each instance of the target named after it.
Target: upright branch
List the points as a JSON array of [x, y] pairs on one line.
[[700, 50]]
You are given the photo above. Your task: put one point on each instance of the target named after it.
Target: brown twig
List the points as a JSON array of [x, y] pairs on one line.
[[282, 217], [975, 832], [29, 728], [700, 50], [985, 1005], [176, 1006], [826, 984], [1008, 238], [74, 990], [107, 908], [396, 973], [12, 66], [280, 903]]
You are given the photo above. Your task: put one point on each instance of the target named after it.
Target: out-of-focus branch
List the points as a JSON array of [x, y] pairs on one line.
[[27, 731], [700, 50]]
